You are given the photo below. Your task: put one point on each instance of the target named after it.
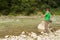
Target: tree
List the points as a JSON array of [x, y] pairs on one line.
[[27, 6]]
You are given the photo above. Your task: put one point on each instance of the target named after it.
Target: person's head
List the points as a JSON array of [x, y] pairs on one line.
[[47, 9]]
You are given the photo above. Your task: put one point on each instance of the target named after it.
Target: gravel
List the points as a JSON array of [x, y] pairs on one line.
[[34, 36]]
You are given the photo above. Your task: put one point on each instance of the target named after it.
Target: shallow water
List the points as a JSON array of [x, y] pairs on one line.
[[15, 26]]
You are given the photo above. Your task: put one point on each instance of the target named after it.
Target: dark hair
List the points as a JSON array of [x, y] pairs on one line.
[[48, 9]]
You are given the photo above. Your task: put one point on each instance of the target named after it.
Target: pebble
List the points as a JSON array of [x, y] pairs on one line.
[[34, 36]]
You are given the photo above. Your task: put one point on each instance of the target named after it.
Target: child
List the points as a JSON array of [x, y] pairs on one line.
[[47, 17]]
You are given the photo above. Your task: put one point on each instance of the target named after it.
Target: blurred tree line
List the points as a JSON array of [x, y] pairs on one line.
[[27, 7]]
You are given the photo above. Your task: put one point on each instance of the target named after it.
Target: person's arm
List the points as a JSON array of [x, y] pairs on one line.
[[42, 15], [45, 14]]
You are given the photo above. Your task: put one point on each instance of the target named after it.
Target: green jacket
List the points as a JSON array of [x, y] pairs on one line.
[[47, 16]]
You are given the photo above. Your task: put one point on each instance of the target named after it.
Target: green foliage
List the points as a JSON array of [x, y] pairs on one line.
[[27, 6]]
